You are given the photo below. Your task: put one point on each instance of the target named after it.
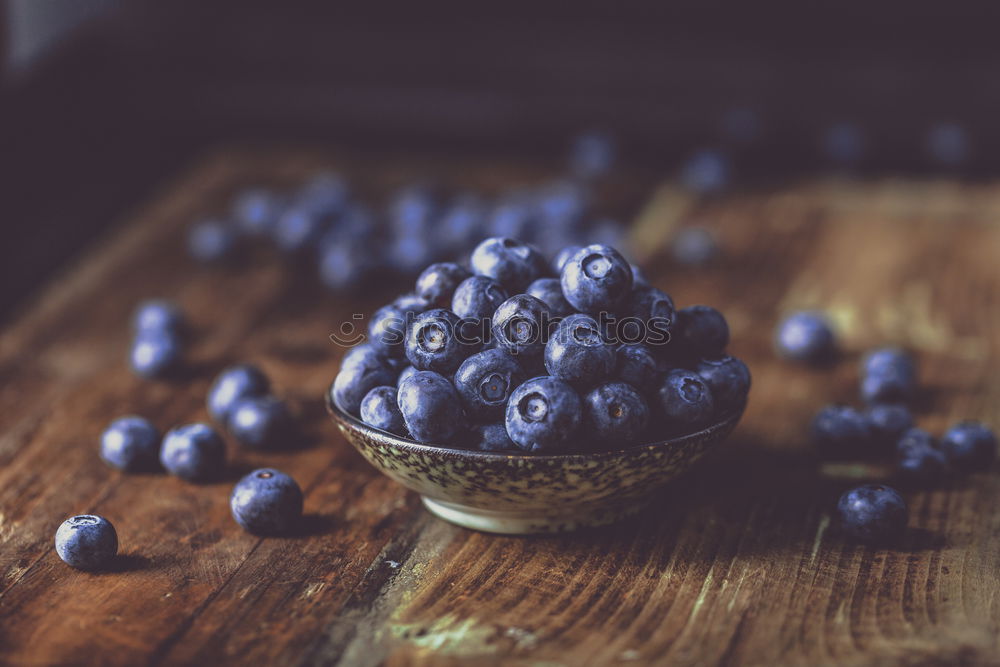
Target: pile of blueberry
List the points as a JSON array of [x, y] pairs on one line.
[[884, 429], [349, 241], [517, 354], [159, 331], [264, 502]]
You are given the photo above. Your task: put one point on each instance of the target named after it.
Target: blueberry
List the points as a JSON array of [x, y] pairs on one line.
[[437, 283], [160, 316], [462, 224], [477, 297], [408, 255], [706, 172], [193, 452], [685, 400], [889, 421], [262, 422], [405, 373], [703, 331], [617, 413], [564, 256], [512, 218], [888, 386], [492, 438], [728, 378], [653, 314], [543, 415], [232, 385], [844, 144], [917, 457], [131, 444], [597, 278], [430, 407], [411, 303], [380, 409], [549, 292], [387, 330], [636, 365], [212, 241], [948, 144], [806, 336], [436, 341], [324, 194], [411, 211], [363, 368], [889, 359], [840, 431], [354, 227], [298, 229], [266, 502], [873, 513], [87, 542], [694, 246], [256, 211], [510, 262], [578, 354], [155, 353], [520, 325], [561, 204], [969, 446], [485, 381], [344, 266], [592, 155], [606, 232]]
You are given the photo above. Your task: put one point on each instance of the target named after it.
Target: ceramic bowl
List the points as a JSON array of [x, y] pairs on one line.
[[522, 493]]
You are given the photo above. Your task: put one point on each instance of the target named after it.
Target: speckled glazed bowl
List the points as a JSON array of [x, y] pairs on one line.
[[521, 493]]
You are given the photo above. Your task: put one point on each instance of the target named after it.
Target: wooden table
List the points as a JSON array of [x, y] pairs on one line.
[[737, 563]]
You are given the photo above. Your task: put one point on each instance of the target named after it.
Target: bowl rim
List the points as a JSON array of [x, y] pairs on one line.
[[339, 414]]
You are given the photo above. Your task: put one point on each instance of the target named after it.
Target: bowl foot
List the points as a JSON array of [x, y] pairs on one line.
[[527, 523]]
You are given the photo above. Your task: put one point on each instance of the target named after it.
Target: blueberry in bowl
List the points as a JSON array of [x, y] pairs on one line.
[[544, 424]]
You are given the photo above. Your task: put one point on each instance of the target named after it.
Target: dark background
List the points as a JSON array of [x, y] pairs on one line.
[[90, 123]]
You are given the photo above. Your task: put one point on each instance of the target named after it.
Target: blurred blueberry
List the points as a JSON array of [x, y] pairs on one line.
[[87, 542], [158, 315], [891, 359], [325, 194], [155, 353], [266, 502], [706, 172], [843, 144], [562, 204], [344, 266], [513, 217], [607, 232], [592, 155], [212, 241], [694, 246], [262, 422], [889, 421], [131, 444], [841, 432], [462, 224], [408, 255], [917, 457], [890, 385], [970, 446], [193, 452], [412, 210], [873, 513], [948, 144], [232, 385], [806, 336], [298, 229], [256, 211]]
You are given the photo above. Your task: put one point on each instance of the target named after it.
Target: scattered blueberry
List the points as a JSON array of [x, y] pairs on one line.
[[889, 421], [578, 354], [160, 316], [513, 218], [325, 194], [917, 457], [543, 415], [597, 278], [362, 370], [485, 381], [706, 172], [492, 438], [155, 353], [888, 386], [431, 407], [478, 297], [438, 282], [970, 446], [462, 224], [728, 378], [549, 292], [256, 211], [380, 409], [806, 336], [212, 241], [889, 359], [267, 502], [232, 385], [87, 542], [262, 422], [561, 204], [193, 452], [694, 246], [617, 413], [520, 324], [344, 266], [685, 400], [592, 155], [435, 342], [873, 513], [703, 331], [840, 431], [299, 228], [636, 365], [131, 444], [510, 262]]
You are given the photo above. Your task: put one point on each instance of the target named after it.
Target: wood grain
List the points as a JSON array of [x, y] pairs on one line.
[[739, 563]]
